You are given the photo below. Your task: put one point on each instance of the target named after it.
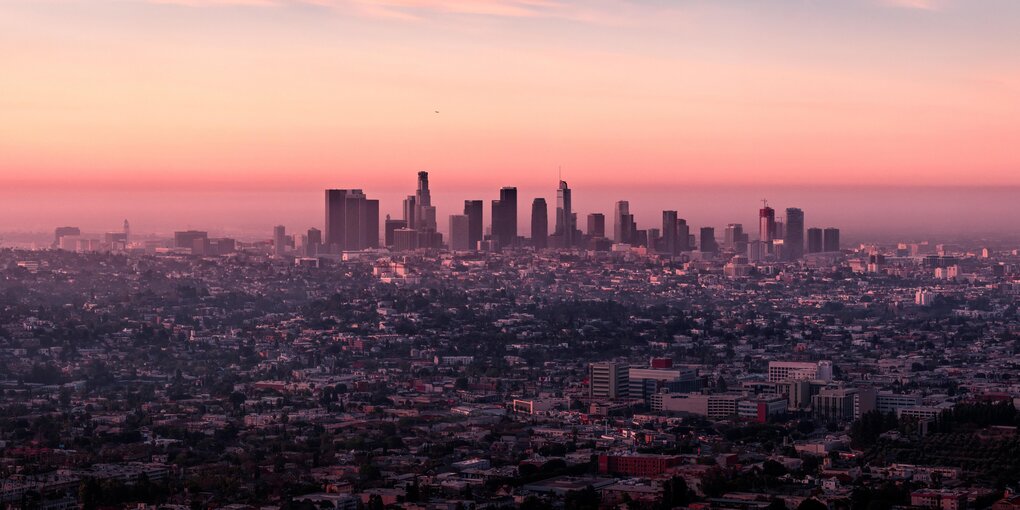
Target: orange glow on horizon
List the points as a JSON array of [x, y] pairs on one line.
[[282, 94]]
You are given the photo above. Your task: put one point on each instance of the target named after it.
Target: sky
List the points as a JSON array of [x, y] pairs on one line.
[[872, 115], [306, 94]]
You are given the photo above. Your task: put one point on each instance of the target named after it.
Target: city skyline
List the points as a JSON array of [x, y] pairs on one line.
[[877, 214]]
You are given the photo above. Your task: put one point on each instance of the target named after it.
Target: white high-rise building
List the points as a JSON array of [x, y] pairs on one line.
[[799, 371], [608, 380]]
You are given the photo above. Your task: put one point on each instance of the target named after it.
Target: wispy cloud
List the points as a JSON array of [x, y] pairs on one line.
[[411, 9], [925, 5]]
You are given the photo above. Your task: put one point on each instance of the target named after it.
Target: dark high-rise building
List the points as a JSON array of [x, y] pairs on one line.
[[621, 216], [411, 211], [766, 224], [564, 216], [830, 239], [597, 225], [64, 231], [392, 226], [405, 239], [669, 231], [314, 242], [540, 223], [279, 240], [735, 238], [352, 220], [504, 217], [683, 236], [476, 228], [187, 238], [624, 224], [459, 232], [793, 241], [814, 240], [425, 215], [708, 242]]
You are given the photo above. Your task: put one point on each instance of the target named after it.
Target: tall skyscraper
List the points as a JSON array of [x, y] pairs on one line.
[[708, 243], [425, 216], [624, 224], [794, 235], [830, 240], [504, 217], [540, 223], [411, 212], [473, 210], [669, 231], [814, 240], [735, 238], [127, 231], [766, 224], [352, 220], [279, 240], [460, 232], [597, 225], [683, 236], [564, 215]]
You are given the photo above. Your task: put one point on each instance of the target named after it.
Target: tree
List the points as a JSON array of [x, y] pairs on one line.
[[773, 468], [375, 502], [585, 499], [812, 504], [675, 493], [413, 493], [776, 504], [369, 472], [237, 399]]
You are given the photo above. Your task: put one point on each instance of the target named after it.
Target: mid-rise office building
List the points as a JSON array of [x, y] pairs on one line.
[[187, 238], [504, 218], [670, 244], [313, 242], [60, 232], [708, 242], [831, 239], [460, 232], [625, 227], [814, 240], [352, 221], [279, 240], [597, 225], [609, 380], [476, 226], [793, 239], [540, 223], [799, 370], [391, 226]]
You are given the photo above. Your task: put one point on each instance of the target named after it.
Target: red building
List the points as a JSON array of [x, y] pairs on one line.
[[637, 464], [662, 363]]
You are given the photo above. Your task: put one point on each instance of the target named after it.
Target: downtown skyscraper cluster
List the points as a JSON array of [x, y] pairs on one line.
[[352, 223]]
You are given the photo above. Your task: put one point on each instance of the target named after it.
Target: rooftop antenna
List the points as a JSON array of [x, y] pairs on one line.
[[561, 172], [764, 203]]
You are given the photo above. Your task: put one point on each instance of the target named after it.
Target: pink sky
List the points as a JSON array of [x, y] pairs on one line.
[[305, 94]]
